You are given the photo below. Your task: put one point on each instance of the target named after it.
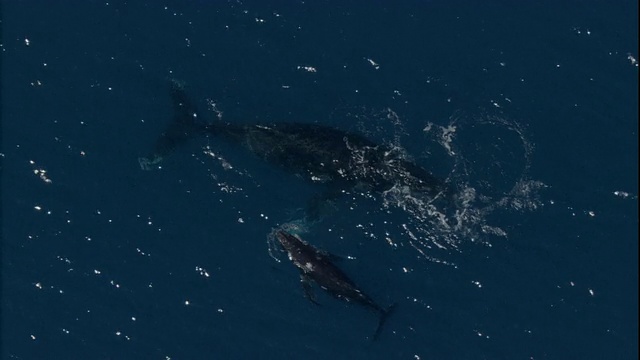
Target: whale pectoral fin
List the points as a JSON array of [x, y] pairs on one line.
[[306, 288], [150, 163], [331, 257], [321, 204]]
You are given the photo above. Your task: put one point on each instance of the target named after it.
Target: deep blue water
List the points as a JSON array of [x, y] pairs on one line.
[[102, 260]]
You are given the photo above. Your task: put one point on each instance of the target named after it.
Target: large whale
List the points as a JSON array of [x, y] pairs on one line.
[[319, 153], [316, 265]]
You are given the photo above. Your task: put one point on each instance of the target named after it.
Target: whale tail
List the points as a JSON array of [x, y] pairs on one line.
[[181, 128], [384, 315]]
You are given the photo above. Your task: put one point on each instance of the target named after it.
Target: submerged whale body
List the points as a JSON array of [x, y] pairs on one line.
[[321, 154], [327, 155], [316, 265]]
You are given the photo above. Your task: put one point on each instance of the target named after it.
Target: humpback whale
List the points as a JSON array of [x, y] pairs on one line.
[[315, 265], [321, 154]]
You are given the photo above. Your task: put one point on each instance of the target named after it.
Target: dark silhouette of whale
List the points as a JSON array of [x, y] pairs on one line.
[[319, 153], [315, 265]]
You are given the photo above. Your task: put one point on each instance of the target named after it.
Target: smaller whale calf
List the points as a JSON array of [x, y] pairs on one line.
[[316, 265]]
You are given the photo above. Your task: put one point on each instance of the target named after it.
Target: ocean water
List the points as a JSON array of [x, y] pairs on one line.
[[528, 111]]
